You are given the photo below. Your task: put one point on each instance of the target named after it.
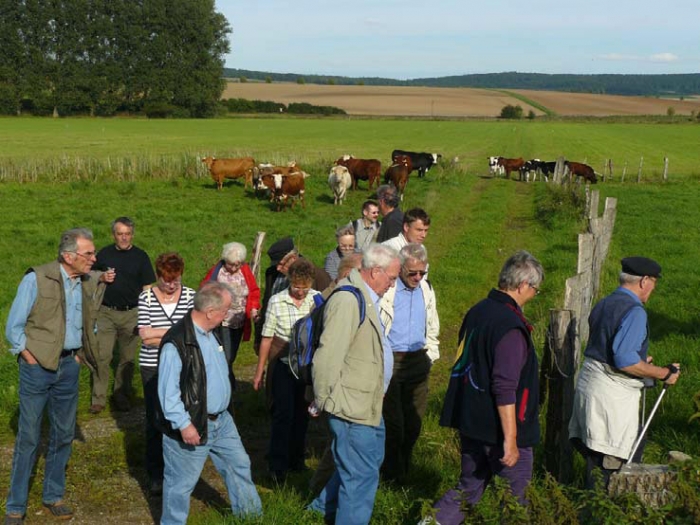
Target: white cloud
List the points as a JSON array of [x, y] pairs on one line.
[[663, 57]]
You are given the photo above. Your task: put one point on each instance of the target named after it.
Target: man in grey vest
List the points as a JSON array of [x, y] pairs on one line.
[[51, 331], [605, 419]]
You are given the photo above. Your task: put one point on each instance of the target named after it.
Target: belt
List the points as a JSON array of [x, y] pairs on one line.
[[214, 417], [68, 353], [121, 308]]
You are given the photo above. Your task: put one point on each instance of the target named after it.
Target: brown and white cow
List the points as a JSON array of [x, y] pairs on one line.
[[221, 169], [361, 169], [510, 165], [286, 187], [582, 170], [339, 181], [397, 173]]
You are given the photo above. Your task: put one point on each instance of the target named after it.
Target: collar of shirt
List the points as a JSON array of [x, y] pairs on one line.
[[70, 282], [631, 294]]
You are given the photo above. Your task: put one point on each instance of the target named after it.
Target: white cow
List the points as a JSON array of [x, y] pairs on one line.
[[339, 180], [495, 168]]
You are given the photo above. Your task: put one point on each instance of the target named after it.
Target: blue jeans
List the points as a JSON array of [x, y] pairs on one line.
[[358, 452], [39, 388], [184, 463]]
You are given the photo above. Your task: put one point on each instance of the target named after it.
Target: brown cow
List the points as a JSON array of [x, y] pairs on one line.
[[397, 173], [269, 169], [289, 186], [361, 169], [509, 165], [582, 170], [221, 169]]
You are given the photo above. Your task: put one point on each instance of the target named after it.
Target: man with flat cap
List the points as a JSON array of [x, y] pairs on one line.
[[605, 420]]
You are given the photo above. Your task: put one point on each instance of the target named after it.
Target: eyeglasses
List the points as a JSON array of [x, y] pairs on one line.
[[392, 279], [86, 255], [300, 290], [171, 283], [536, 288], [413, 273]]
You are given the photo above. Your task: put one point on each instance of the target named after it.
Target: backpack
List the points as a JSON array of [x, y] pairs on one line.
[[306, 335]]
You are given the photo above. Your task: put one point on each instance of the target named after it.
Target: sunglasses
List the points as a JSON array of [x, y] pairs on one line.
[[413, 273]]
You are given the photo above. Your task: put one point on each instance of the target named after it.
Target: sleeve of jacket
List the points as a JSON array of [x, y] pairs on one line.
[[432, 324], [340, 323]]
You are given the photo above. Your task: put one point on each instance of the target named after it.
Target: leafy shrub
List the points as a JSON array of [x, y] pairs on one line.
[[158, 110], [531, 115], [301, 80], [559, 203], [9, 102], [512, 112]]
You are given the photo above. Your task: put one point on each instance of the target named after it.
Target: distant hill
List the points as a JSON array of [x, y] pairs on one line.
[[633, 85]]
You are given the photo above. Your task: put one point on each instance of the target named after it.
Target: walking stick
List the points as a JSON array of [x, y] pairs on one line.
[[646, 426]]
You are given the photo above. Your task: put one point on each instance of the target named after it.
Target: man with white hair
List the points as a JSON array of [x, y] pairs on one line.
[[409, 313], [351, 372]]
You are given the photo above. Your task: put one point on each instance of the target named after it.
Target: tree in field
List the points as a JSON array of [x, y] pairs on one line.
[[512, 112]]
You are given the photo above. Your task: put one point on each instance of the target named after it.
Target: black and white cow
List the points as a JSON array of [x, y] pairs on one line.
[[495, 169], [532, 167], [420, 162]]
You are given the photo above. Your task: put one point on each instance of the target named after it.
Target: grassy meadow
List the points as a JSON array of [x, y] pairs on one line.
[[57, 174]]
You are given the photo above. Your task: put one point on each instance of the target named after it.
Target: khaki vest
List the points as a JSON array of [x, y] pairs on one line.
[[46, 324]]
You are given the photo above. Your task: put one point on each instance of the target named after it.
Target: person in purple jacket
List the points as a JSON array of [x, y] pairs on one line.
[[492, 396]]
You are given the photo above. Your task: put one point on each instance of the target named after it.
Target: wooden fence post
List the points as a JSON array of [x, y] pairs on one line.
[[256, 255], [559, 364], [559, 168], [610, 168], [605, 165], [665, 177], [639, 172], [624, 171]]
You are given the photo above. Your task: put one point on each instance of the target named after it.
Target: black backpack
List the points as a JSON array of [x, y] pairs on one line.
[[306, 335]]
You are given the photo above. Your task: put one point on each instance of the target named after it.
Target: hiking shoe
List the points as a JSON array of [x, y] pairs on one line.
[[14, 519], [59, 510], [96, 409]]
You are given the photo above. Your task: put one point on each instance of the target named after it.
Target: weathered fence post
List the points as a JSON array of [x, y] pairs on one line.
[[605, 165], [559, 167], [624, 171], [559, 364], [665, 176], [639, 172], [610, 168], [256, 255]]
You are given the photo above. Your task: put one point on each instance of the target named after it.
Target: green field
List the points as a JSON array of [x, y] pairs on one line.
[[477, 223]]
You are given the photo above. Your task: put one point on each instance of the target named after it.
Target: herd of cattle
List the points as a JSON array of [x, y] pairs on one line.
[[527, 168], [286, 183]]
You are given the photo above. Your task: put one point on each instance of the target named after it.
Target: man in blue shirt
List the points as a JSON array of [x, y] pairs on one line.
[[410, 318], [605, 419], [51, 330], [194, 405]]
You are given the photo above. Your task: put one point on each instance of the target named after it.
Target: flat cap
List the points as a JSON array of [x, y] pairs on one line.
[[279, 249], [641, 266]]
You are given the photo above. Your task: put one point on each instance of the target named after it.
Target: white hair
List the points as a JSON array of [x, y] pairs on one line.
[[234, 252], [378, 256]]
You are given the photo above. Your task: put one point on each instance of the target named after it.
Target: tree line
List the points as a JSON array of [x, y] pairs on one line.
[[677, 85], [103, 57]]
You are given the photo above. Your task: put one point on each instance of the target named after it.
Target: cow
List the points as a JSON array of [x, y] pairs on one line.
[[339, 180], [531, 167], [510, 165], [221, 169], [422, 162], [547, 168], [361, 169], [582, 170], [282, 187], [271, 169], [397, 173], [495, 169]]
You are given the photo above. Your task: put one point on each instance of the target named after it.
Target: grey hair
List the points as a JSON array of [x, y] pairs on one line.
[[378, 256], [126, 221], [233, 252], [413, 251], [69, 240], [519, 268], [388, 194], [626, 278], [343, 231], [211, 295]]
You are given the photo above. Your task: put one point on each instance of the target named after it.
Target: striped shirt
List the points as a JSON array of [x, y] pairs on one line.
[[152, 314]]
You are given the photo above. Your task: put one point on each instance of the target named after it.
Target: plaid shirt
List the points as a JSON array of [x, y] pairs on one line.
[[282, 313]]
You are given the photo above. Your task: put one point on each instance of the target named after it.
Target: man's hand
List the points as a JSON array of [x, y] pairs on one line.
[[673, 377], [510, 453], [190, 435], [28, 357], [108, 276], [258, 381]]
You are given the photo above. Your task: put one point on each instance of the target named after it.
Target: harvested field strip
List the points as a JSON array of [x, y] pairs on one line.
[[526, 100]]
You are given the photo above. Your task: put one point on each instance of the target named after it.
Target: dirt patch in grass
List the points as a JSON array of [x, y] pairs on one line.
[[452, 102]]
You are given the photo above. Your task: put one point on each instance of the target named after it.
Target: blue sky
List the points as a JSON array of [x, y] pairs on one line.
[[423, 38]]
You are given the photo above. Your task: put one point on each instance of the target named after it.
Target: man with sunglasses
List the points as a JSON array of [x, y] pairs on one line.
[[409, 313], [118, 315], [50, 329]]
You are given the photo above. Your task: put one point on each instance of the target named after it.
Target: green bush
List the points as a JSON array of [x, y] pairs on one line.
[[158, 110], [512, 112]]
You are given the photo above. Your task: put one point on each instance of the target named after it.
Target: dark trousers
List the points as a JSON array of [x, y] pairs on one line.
[[231, 342], [154, 439], [603, 462], [289, 420], [405, 403]]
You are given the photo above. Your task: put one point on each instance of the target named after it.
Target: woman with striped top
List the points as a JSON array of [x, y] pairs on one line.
[[159, 308]]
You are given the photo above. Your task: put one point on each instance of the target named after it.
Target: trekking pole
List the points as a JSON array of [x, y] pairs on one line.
[[646, 426]]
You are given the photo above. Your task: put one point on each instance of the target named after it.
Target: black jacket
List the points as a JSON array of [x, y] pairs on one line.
[[193, 378]]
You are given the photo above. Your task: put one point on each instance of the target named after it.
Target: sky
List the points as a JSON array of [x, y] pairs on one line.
[[405, 39]]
